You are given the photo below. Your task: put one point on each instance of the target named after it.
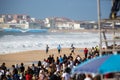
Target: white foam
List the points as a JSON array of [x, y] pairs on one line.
[[16, 43]]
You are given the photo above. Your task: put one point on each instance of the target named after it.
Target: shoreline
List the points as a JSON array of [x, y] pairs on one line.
[[83, 30], [80, 30]]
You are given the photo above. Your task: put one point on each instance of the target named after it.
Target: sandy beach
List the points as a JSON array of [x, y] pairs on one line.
[[29, 57]]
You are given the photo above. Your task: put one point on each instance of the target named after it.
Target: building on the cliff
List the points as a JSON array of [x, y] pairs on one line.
[[67, 25], [61, 23], [18, 21], [1, 20], [47, 23]]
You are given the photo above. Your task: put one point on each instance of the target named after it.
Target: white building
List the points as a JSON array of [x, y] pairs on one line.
[[68, 25], [64, 25], [1, 20], [47, 22], [77, 26]]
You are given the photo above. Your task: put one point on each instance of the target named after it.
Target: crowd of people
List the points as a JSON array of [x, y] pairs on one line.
[[51, 68]]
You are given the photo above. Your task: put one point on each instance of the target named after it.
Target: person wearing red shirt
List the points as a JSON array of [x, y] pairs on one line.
[[28, 76], [85, 52]]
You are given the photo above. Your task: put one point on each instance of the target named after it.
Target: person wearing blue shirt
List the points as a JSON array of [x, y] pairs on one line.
[[59, 48]]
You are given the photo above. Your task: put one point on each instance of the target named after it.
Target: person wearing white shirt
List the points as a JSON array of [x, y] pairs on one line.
[[66, 76], [88, 77]]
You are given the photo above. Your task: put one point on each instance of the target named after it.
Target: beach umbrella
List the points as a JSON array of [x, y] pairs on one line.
[[99, 65]]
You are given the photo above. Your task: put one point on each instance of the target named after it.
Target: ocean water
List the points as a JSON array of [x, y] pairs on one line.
[[16, 42]]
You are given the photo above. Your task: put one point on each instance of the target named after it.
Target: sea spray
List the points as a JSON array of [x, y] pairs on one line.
[[32, 41]]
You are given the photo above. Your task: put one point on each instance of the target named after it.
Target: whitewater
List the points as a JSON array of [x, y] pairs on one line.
[[10, 43]]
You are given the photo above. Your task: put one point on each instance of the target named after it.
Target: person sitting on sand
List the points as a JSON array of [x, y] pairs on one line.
[[41, 75], [88, 77], [66, 74]]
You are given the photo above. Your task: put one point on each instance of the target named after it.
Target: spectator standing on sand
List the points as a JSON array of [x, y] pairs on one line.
[[22, 68], [3, 66], [85, 52], [47, 49], [72, 49], [59, 48]]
